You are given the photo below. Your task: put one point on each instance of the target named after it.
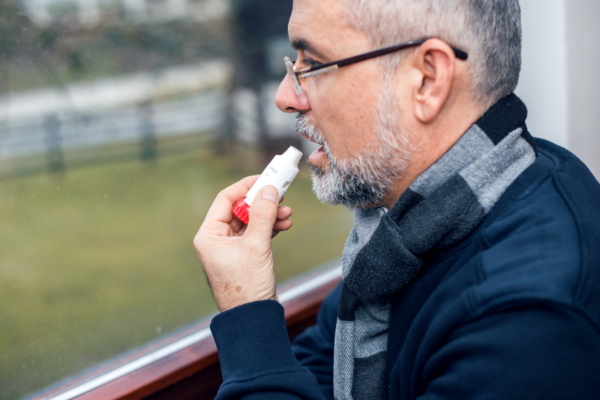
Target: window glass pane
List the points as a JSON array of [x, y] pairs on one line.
[[120, 120]]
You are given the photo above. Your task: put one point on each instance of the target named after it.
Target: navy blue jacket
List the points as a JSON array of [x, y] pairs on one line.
[[511, 312]]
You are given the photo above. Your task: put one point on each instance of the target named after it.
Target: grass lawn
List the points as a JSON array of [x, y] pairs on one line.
[[100, 260]]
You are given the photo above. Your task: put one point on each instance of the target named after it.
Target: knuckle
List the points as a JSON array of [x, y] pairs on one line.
[[197, 242], [221, 194]]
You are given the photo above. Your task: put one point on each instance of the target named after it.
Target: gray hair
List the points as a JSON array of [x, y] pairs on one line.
[[489, 30]]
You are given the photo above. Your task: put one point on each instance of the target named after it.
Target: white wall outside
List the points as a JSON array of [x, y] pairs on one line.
[[561, 50], [583, 44]]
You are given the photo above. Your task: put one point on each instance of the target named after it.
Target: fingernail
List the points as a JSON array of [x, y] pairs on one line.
[[269, 193]]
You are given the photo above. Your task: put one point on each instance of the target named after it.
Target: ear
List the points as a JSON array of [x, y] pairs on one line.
[[435, 63]]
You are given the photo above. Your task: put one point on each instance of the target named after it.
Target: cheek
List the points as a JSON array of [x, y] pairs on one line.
[[344, 105], [347, 119]]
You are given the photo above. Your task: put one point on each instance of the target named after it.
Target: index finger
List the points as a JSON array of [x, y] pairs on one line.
[[220, 210]]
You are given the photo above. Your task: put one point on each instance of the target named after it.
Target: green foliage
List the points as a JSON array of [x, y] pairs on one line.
[[15, 29]]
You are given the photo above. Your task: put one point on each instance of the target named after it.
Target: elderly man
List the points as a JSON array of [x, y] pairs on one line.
[[472, 270]]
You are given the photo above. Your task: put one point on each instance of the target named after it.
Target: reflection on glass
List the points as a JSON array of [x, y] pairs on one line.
[[120, 120]]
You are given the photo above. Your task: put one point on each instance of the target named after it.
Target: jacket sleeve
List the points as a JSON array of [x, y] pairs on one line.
[[256, 357], [549, 352], [314, 347]]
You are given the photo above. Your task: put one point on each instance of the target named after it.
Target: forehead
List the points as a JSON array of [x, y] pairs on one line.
[[325, 26]]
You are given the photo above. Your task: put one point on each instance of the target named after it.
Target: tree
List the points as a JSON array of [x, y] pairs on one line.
[[15, 30]]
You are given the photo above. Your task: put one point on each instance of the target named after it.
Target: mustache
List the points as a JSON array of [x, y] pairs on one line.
[[306, 129]]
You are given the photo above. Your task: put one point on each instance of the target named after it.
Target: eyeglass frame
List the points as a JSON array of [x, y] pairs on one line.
[[299, 76]]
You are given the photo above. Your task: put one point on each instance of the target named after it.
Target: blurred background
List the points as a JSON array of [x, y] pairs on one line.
[[120, 120]]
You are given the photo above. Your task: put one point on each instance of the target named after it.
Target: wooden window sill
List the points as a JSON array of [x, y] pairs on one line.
[[186, 365]]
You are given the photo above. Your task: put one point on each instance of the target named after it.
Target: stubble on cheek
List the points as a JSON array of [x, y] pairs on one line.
[[363, 179]]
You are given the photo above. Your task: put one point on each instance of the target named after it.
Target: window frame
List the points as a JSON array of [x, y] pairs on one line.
[[186, 364]]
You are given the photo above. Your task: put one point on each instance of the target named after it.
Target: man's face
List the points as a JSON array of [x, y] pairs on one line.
[[352, 112]]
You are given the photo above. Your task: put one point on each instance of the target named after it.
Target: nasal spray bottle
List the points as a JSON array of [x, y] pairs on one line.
[[280, 172]]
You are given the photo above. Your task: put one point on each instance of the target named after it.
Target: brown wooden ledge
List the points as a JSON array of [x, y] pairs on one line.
[[193, 372]]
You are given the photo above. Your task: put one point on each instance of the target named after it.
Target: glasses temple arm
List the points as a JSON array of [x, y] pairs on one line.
[[460, 54]]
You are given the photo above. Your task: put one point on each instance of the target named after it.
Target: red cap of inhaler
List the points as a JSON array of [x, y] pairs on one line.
[[241, 209]]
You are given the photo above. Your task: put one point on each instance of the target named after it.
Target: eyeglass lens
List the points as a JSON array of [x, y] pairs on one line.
[[292, 74]]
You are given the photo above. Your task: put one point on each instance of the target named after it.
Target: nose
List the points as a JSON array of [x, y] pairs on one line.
[[288, 101]]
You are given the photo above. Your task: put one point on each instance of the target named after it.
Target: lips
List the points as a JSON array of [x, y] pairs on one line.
[[316, 155], [312, 134]]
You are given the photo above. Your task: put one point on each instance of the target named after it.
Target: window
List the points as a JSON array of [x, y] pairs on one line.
[[120, 120]]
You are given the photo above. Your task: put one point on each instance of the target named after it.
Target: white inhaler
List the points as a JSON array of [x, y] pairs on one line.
[[280, 172]]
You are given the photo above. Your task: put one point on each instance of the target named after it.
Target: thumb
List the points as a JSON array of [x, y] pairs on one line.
[[263, 213]]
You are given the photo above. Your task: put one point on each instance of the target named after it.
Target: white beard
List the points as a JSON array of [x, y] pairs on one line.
[[365, 179]]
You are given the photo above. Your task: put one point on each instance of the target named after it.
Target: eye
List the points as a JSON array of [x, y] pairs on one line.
[[310, 63]]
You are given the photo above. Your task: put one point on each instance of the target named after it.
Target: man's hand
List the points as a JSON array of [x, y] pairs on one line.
[[237, 258]]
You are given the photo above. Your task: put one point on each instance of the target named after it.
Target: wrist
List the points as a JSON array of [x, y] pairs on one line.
[[252, 338], [227, 302]]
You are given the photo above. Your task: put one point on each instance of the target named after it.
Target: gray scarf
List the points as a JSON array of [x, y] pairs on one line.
[[385, 250]]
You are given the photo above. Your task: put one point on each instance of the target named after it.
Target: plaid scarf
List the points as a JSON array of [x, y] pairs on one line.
[[385, 250]]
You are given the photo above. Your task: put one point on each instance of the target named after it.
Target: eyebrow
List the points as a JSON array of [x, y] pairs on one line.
[[304, 45]]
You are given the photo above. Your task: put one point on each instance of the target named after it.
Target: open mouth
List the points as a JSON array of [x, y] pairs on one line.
[[318, 153]]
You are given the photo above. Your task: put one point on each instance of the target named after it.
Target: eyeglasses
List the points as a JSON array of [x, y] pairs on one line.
[[300, 76]]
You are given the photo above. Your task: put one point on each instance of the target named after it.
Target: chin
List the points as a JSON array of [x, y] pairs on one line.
[[333, 188]]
